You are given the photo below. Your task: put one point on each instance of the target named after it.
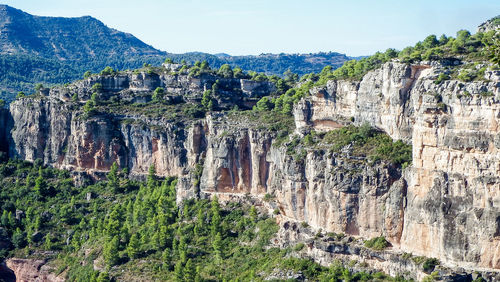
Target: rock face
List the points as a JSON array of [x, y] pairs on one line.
[[446, 205], [138, 86], [489, 25], [452, 209], [49, 129], [30, 270]]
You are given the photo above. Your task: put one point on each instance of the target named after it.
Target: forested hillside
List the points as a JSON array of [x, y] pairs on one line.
[[128, 230]]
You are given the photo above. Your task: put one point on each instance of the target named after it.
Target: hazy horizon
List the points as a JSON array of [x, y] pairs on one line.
[[258, 26]]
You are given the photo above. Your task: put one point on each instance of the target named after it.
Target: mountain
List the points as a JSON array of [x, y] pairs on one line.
[[82, 38], [56, 50]]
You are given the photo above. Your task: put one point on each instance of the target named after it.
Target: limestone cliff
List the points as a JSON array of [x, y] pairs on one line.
[[452, 210], [446, 205]]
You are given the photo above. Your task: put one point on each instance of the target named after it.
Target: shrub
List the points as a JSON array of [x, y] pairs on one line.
[[441, 77], [487, 94], [264, 104], [194, 111], [225, 71], [87, 74], [96, 87], [108, 71], [466, 75], [429, 264], [158, 94], [377, 243], [298, 247], [442, 106], [38, 87]]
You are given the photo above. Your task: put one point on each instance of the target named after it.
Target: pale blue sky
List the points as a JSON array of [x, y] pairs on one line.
[[273, 26]]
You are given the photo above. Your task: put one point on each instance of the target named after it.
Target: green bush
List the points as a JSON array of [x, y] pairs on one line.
[[108, 71], [377, 243], [370, 143], [467, 75], [441, 77], [429, 264], [299, 247]]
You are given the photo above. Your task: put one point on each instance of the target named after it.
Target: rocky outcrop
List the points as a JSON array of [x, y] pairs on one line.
[[381, 98], [30, 270], [453, 209], [50, 126], [137, 86], [451, 204], [489, 25], [49, 130], [335, 192]]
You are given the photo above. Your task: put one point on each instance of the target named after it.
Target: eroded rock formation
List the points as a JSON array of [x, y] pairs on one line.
[[31, 270]]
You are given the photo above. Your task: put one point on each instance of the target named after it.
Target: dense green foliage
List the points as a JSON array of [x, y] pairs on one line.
[[429, 264], [362, 141], [135, 229], [377, 243]]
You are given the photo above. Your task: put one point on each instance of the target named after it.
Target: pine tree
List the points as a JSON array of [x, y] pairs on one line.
[[216, 218], [110, 252], [75, 241], [197, 277], [48, 242], [189, 272], [165, 257], [38, 223], [178, 271], [103, 277], [40, 184], [133, 246], [12, 220], [185, 211], [114, 221], [5, 219], [163, 236], [19, 238], [113, 180], [217, 245], [72, 202], [182, 249], [151, 180], [253, 214], [200, 218]]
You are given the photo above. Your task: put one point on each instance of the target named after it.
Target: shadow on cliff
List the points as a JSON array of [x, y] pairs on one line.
[[5, 125], [6, 274]]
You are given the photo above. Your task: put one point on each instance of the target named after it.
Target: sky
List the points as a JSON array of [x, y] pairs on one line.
[[252, 27]]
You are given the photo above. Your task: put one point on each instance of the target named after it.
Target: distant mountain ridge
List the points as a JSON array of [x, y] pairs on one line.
[[54, 50], [65, 38]]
